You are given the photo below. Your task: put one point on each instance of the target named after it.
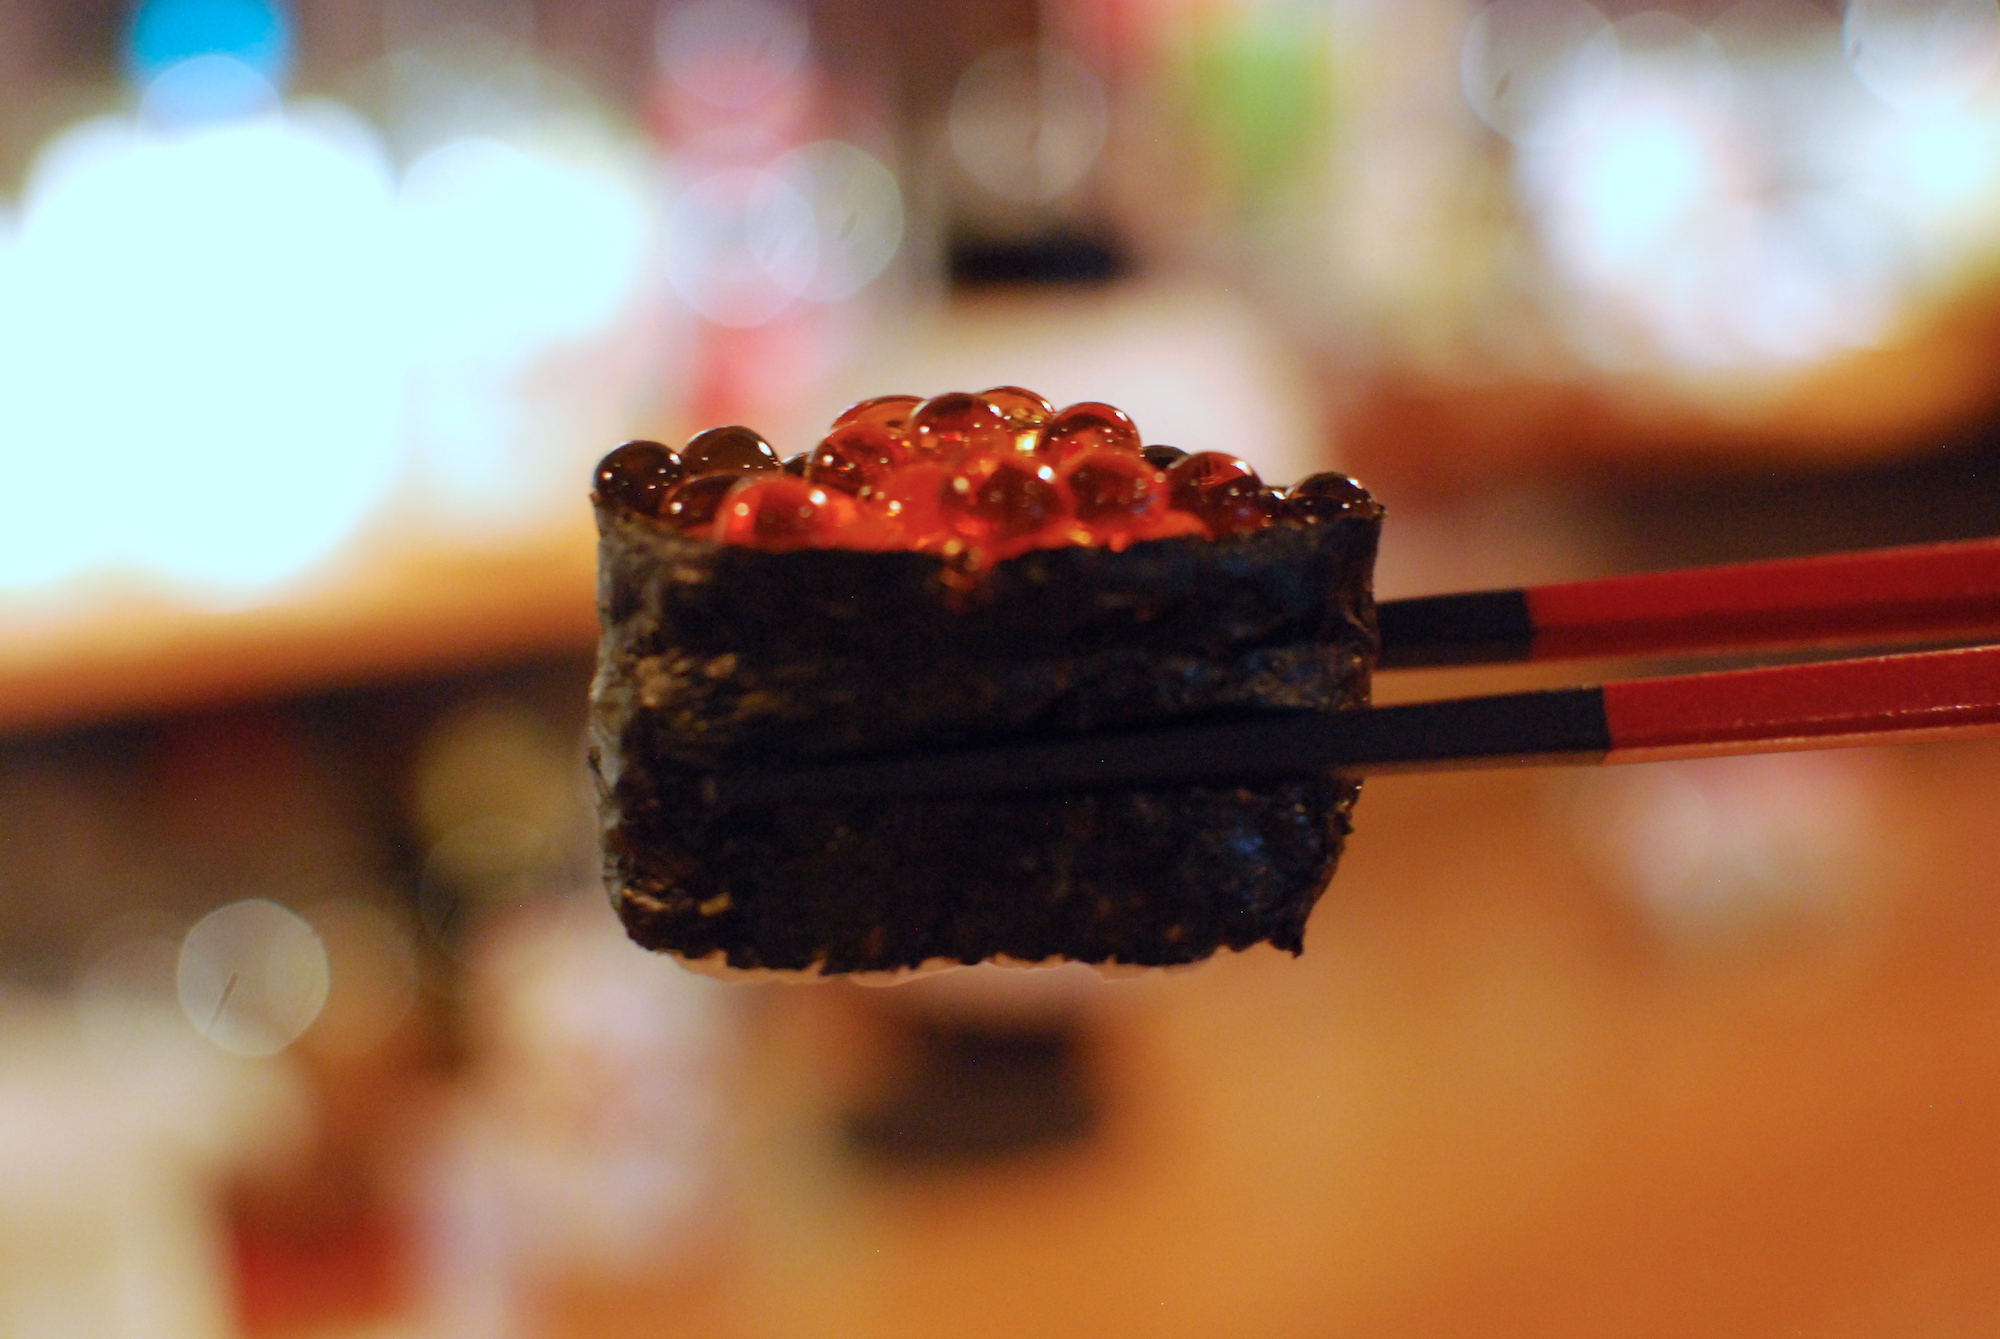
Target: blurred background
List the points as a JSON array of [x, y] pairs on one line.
[[313, 317]]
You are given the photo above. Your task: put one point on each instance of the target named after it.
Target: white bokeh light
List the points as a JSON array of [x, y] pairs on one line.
[[1922, 55], [252, 977], [732, 54], [742, 244], [210, 87], [1938, 165], [857, 214], [181, 305], [1689, 240], [1639, 178], [1524, 60], [1725, 852], [1028, 122], [225, 341], [509, 250]]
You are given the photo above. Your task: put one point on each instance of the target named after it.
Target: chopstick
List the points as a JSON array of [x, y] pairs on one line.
[[1881, 597], [1934, 695]]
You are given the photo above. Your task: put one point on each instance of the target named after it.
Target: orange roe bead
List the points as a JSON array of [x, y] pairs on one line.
[[779, 512], [953, 475], [855, 456], [696, 501], [734, 447], [1113, 490], [1319, 498], [912, 497], [638, 476], [1088, 426], [949, 425], [888, 411], [869, 530], [1168, 524], [1223, 492], [1002, 494], [1024, 411]]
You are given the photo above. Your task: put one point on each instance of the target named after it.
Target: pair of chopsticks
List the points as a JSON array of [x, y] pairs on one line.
[[1884, 597]]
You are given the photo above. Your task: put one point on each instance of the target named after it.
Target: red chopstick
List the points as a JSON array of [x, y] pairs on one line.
[[1880, 597], [1926, 696]]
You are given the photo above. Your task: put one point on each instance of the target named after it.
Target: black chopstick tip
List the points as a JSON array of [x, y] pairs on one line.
[[1475, 628]]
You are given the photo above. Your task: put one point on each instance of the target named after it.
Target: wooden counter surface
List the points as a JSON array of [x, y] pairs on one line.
[[92, 653]]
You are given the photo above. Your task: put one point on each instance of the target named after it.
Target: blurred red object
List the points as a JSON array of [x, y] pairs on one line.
[[313, 1276]]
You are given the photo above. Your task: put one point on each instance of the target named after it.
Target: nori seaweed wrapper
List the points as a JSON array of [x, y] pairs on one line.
[[716, 657]]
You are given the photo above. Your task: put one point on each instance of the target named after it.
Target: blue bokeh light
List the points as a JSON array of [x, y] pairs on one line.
[[166, 33]]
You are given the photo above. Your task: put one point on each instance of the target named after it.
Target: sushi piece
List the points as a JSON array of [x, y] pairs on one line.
[[951, 572]]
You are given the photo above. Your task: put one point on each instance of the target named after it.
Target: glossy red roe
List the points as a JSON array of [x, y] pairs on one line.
[[953, 476], [778, 512], [729, 448], [638, 476], [1113, 491], [695, 503], [855, 456], [869, 529], [1002, 495], [1318, 498], [1168, 524], [946, 426], [913, 499], [1221, 491], [1088, 426], [888, 411], [1024, 411]]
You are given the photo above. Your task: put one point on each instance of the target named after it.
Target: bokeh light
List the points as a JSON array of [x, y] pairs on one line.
[[202, 60], [1730, 853], [1524, 59], [184, 304], [741, 245], [206, 88], [1922, 55], [255, 33], [1683, 235], [1028, 122], [252, 977], [732, 54], [246, 331], [509, 251], [126, 999], [758, 221], [1947, 159], [857, 215]]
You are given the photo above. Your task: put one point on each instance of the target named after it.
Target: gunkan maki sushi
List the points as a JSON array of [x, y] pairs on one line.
[[948, 572]]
